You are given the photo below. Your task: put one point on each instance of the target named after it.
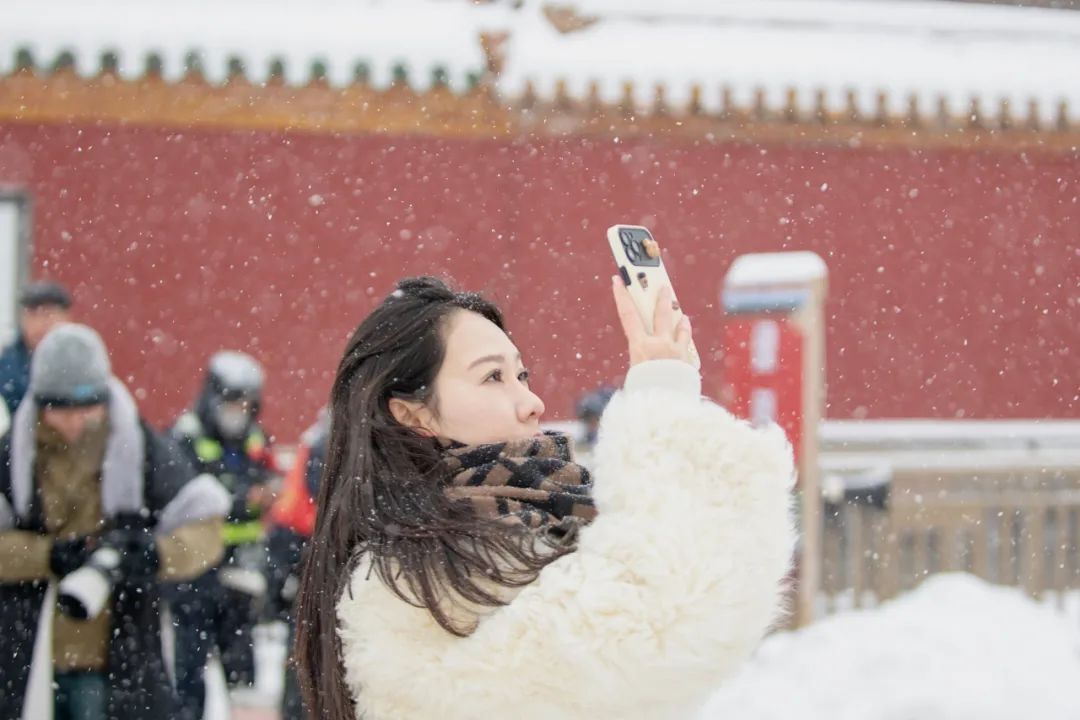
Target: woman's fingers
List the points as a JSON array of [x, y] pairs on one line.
[[670, 339], [664, 314], [684, 333], [631, 322]]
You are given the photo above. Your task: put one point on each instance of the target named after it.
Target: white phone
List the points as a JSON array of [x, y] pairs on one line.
[[637, 256]]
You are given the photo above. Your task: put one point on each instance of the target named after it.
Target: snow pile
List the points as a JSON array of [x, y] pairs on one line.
[[955, 649]]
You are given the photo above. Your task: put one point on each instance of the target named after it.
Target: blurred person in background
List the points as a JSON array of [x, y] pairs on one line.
[[223, 438], [589, 410], [80, 471], [43, 306], [292, 519]]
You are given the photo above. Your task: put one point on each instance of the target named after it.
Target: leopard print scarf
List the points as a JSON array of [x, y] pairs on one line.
[[533, 482]]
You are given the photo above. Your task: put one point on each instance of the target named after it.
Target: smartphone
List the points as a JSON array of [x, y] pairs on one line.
[[637, 255]]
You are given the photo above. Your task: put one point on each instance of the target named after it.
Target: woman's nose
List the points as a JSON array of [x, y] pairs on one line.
[[531, 407]]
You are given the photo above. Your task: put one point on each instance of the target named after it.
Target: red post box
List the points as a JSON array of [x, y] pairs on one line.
[[763, 371]]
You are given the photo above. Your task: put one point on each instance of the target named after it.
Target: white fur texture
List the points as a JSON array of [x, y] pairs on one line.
[[671, 588]]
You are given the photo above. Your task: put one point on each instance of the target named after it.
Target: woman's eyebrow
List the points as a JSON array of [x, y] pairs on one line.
[[487, 358], [491, 358]]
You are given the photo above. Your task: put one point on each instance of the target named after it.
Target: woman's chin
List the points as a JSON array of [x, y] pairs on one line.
[[523, 434]]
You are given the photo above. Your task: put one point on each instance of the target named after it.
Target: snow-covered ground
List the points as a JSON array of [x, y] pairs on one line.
[[954, 649], [261, 702]]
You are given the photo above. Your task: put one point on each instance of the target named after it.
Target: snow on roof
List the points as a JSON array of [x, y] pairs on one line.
[[924, 49], [420, 35], [783, 268], [980, 435], [897, 48]]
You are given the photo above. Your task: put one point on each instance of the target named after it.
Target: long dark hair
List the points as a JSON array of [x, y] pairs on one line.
[[382, 494]]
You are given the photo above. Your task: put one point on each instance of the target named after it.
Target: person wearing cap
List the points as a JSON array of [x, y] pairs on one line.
[[43, 306], [222, 436], [82, 473]]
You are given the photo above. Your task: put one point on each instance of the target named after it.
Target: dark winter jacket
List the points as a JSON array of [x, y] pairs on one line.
[[14, 374], [238, 466], [292, 519], [165, 498]]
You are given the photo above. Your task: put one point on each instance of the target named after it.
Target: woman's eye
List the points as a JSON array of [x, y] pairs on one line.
[[496, 375], [523, 377]]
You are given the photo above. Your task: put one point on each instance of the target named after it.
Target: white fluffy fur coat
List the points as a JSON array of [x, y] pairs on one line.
[[670, 589]]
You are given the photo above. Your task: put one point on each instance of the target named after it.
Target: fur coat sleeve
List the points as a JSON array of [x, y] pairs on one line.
[[670, 589]]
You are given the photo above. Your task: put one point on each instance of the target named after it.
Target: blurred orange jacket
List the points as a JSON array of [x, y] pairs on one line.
[[295, 509]]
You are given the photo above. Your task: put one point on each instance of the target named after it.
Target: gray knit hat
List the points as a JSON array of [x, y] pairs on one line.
[[70, 368]]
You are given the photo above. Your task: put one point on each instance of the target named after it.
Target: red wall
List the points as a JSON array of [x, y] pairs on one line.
[[954, 274]]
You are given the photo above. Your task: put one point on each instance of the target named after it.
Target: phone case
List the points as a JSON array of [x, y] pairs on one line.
[[637, 256]]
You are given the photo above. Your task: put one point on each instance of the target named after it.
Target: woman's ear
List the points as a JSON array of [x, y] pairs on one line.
[[412, 414]]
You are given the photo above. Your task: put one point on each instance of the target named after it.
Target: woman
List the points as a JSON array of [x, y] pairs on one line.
[[464, 568]]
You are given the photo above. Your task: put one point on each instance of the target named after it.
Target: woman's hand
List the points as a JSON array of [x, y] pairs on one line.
[[669, 340]]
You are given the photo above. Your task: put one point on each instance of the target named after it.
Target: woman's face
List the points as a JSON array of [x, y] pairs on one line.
[[481, 394]]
